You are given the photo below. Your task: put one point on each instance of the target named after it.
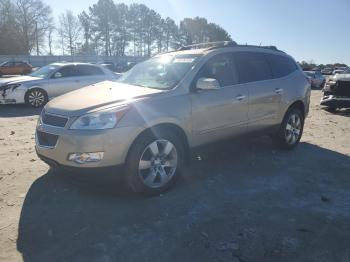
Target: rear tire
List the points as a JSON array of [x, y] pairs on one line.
[[331, 109], [154, 162], [36, 97], [291, 130]]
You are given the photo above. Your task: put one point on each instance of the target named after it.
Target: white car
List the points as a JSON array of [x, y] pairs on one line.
[[51, 81], [344, 75]]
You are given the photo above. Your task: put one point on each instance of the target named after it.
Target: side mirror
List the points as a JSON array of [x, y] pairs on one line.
[[57, 75], [208, 84]]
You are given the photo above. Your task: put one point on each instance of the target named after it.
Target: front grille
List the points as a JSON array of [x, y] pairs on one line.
[[54, 120], [46, 139]]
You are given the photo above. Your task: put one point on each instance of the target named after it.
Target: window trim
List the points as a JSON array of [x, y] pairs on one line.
[[291, 60], [233, 68]]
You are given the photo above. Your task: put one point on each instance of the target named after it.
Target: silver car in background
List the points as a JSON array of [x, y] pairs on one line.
[[316, 78], [51, 81]]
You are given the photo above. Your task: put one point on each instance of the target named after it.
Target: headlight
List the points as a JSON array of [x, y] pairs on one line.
[[99, 120]]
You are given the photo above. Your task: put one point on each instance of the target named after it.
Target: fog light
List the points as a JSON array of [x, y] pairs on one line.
[[81, 158]]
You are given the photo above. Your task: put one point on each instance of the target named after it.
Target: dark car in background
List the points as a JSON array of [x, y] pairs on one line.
[[15, 68], [336, 93]]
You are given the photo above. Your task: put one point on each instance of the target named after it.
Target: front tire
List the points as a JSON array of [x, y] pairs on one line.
[[291, 129], [36, 98], [154, 162]]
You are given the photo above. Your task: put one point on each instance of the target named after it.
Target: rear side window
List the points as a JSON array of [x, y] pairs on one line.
[[221, 68], [86, 70], [280, 65], [252, 67]]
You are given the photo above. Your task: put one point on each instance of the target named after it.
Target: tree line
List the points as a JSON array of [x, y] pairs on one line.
[[106, 28]]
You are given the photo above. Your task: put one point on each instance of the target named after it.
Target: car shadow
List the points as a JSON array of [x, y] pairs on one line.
[[339, 112], [343, 112], [18, 111], [61, 221]]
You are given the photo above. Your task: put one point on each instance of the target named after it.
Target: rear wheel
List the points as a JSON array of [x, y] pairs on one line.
[[154, 162], [291, 129], [331, 109], [322, 84], [36, 97]]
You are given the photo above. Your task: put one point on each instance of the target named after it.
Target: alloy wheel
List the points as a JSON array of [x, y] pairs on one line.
[[36, 98], [293, 129], [158, 163]]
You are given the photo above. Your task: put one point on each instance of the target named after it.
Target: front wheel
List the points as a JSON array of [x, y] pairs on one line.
[[36, 97], [291, 130], [154, 162]]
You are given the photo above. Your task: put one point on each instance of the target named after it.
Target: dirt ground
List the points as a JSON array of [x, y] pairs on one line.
[[240, 201]]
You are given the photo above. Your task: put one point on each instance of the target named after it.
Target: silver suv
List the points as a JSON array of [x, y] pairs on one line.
[[149, 120]]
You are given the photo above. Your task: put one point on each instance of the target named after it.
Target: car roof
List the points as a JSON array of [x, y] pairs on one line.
[[227, 48], [72, 63]]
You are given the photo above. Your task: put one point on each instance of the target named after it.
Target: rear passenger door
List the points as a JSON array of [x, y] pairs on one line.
[[264, 93], [88, 75]]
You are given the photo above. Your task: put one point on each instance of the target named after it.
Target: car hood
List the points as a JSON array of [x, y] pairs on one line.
[[18, 80], [344, 77], [98, 96]]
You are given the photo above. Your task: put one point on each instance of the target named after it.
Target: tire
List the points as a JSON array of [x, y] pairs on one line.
[[322, 85], [291, 130], [1, 74], [154, 162], [331, 109], [36, 97]]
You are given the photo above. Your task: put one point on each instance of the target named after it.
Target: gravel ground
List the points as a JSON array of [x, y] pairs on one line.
[[239, 201]]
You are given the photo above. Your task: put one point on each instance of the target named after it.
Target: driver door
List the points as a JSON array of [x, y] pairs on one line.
[[221, 113]]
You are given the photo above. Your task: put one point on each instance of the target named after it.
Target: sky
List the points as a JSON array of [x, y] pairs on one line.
[[316, 30]]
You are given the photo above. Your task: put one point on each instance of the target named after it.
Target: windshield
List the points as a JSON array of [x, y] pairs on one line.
[[45, 71], [347, 71], [161, 72]]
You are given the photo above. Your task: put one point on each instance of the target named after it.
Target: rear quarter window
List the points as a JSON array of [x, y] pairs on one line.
[[251, 67], [86, 70], [281, 66]]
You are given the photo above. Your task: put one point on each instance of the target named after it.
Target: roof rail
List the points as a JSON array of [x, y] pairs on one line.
[[210, 45], [271, 47], [216, 45]]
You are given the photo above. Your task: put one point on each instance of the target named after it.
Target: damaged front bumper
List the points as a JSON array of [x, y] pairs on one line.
[[10, 96], [335, 101]]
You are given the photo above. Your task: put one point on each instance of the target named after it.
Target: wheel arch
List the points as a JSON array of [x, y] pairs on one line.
[[156, 129], [34, 87], [298, 104]]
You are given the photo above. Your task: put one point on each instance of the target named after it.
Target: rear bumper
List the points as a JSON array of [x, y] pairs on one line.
[[335, 101]]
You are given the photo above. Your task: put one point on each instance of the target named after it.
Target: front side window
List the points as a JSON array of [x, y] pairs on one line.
[[252, 67], [161, 72], [220, 68], [66, 71]]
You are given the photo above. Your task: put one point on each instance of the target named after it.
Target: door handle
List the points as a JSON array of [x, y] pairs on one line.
[[240, 97], [278, 90]]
